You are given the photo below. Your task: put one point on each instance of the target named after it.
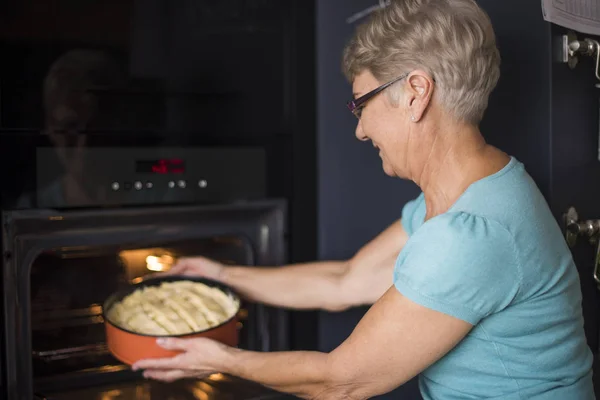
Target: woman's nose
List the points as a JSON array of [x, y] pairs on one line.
[[360, 135]]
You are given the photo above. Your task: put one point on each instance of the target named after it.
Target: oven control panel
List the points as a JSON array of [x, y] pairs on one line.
[[96, 177]]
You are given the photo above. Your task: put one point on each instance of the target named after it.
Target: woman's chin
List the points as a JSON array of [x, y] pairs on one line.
[[389, 171]]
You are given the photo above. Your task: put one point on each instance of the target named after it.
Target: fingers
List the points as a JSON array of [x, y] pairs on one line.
[[180, 267], [170, 375], [157, 363], [166, 375], [173, 343], [164, 363], [186, 266]]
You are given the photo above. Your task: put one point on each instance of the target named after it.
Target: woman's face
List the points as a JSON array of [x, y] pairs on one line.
[[385, 125]]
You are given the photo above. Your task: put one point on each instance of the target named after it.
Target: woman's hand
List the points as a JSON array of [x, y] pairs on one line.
[[198, 266], [199, 358]]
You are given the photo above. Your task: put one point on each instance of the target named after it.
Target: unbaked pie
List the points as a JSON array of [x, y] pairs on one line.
[[173, 308]]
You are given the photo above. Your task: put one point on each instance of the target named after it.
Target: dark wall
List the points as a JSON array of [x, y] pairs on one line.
[[543, 113], [356, 199], [518, 120]]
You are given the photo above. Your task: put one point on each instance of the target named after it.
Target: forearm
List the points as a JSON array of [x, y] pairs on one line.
[[332, 285], [301, 286], [303, 374]]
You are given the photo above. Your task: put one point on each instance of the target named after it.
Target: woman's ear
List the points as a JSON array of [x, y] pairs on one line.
[[419, 92]]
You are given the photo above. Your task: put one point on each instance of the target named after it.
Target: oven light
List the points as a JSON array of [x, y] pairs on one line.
[[159, 263], [216, 377]]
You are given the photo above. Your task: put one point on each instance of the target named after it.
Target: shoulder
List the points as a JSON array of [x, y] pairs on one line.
[[463, 230], [462, 261]]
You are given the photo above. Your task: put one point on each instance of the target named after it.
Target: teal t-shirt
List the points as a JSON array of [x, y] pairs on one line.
[[497, 259]]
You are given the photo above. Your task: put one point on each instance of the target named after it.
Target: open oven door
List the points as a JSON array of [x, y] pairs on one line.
[[58, 266]]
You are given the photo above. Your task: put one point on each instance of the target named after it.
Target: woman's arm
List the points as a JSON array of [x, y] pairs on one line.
[[330, 285], [334, 285], [395, 341]]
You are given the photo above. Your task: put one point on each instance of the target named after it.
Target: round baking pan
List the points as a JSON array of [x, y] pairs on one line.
[[129, 347]]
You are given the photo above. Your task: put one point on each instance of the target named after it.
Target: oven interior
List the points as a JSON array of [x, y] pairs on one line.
[[69, 285]]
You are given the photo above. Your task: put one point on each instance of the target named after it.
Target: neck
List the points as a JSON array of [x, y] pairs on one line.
[[459, 156]]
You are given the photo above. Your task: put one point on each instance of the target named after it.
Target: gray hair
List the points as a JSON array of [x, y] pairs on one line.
[[453, 40]]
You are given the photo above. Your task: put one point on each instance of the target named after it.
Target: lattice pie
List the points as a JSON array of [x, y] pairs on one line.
[[173, 308]]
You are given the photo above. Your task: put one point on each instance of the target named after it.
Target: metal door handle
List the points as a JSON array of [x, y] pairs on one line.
[[597, 265], [574, 228], [590, 229], [570, 48]]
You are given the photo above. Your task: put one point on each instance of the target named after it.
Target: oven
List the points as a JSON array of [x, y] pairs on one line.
[[144, 209], [133, 133], [59, 267]]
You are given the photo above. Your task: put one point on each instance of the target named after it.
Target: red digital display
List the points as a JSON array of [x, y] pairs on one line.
[[162, 166]]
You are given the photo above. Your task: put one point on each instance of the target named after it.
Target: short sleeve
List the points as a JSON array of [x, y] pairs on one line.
[[413, 214], [461, 265]]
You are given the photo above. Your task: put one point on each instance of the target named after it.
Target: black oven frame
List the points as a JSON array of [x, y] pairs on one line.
[[26, 234]]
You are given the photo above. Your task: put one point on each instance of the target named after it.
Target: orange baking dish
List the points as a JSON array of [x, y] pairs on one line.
[[129, 347]]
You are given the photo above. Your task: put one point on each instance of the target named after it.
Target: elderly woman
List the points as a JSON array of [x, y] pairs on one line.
[[485, 299]]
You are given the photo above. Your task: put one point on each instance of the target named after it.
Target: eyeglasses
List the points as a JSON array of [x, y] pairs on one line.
[[356, 106]]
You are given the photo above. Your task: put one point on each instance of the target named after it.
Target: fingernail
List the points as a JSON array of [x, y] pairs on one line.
[[161, 341]]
